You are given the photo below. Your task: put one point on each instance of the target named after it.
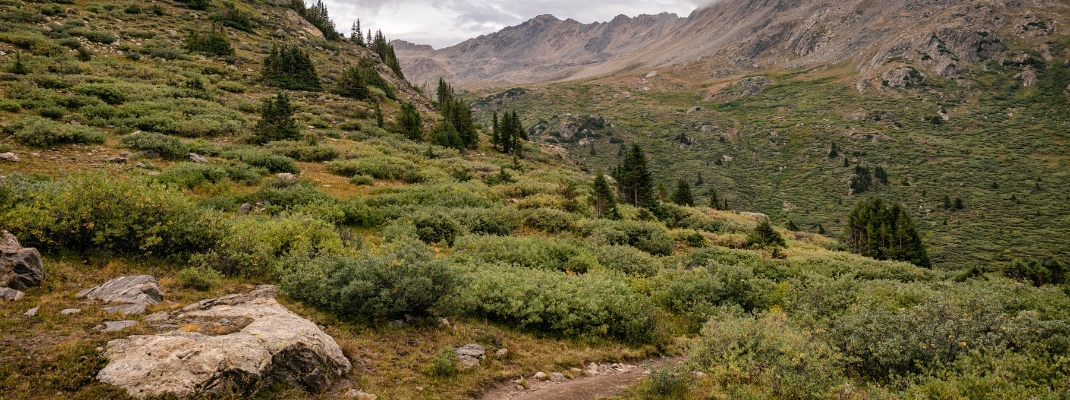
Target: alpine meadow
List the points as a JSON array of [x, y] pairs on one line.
[[765, 199]]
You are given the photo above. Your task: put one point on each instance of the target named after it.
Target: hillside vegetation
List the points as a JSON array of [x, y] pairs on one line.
[[405, 241]]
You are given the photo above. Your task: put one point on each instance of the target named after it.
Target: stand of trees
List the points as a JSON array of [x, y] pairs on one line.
[[276, 121], [509, 133], [634, 180], [317, 16], [885, 233], [290, 68]]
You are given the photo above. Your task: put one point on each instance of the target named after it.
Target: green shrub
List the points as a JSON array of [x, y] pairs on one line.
[[109, 93], [487, 221], [549, 220], [231, 86], [407, 281], [303, 152], [199, 278], [445, 363], [362, 180], [436, 227], [100, 37], [190, 175], [698, 293], [165, 146], [22, 15], [229, 15], [769, 356], [270, 247], [213, 43], [99, 212], [627, 259], [262, 159], [646, 236], [529, 251], [52, 112], [378, 167], [590, 305], [10, 105], [765, 236], [36, 131]]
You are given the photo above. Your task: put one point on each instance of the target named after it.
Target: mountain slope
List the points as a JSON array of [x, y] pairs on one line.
[[543, 48]]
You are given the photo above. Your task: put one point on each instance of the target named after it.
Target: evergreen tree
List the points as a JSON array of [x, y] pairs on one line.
[[352, 84], [835, 151], [947, 202], [593, 152], [318, 17], [621, 150], [846, 162], [820, 229], [386, 53], [356, 35], [958, 204], [379, 116], [791, 226], [699, 182], [714, 202], [634, 180], [881, 175], [682, 195], [444, 94], [290, 68], [512, 133], [495, 138], [446, 135], [884, 233], [373, 79], [276, 121], [765, 236], [605, 204], [410, 123]]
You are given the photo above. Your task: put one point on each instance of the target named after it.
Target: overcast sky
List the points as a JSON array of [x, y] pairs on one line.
[[443, 23]]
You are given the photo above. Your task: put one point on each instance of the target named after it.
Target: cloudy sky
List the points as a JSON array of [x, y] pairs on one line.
[[443, 23]]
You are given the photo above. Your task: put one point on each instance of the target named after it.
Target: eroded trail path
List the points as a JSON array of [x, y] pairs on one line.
[[606, 380]]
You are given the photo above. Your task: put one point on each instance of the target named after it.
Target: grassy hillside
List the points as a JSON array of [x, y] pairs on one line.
[[376, 236], [985, 138]]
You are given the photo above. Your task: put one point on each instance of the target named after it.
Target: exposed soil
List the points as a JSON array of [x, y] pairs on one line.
[[612, 380]]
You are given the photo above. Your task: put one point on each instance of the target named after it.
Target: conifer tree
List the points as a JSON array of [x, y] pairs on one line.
[[386, 52], [410, 123], [446, 135], [593, 152], [379, 116], [356, 35], [791, 226], [699, 182], [290, 68], [884, 233], [765, 236], [352, 84], [605, 204], [495, 138], [634, 179], [947, 202], [276, 121], [682, 195], [444, 94], [714, 202]]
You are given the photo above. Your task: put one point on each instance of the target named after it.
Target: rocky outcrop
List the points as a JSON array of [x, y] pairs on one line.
[[470, 354], [232, 343], [134, 293], [20, 267], [905, 77]]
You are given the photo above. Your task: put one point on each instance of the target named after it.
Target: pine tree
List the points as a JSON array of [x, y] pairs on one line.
[[593, 152], [634, 180], [495, 138], [791, 226], [386, 53], [682, 195], [379, 116], [958, 204], [884, 233], [356, 35], [846, 162], [662, 192], [445, 135], [352, 84], [604, 202], [835, 151], [699, 182], [276, 121], [947, 202], [410, 123], [290, 68], [714, 202], [318, 17], [444, 93], [765, 236]]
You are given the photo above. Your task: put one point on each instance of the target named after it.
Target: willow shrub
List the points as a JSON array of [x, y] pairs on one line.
[[264, 247], [409, 280], [97, 212], [591, 305]]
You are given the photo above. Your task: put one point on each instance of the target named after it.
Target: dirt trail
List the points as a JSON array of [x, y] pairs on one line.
[[610, 380]]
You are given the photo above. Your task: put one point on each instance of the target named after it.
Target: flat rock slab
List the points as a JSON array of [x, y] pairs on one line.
[[264, 344], [69, 311], [20, 267], [115, 326], [126, 309], [141, 289]]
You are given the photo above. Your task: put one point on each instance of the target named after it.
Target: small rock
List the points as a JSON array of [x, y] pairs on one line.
[[245, 208], [557, 377], [575, 370], [141, 165], [286, 177], [397, 323], [646, 372], [360, 395], [113, 326], [20, 267], [11, 294], [35, 155], [69, 311], [541, 376], [126, 289], [126, 154], [77, 122], [519, 388], [31, 312], [592, 369], [197, 158], [698, 374], [501, 353], [468, 362], [156, 318], [117, 160], [9, 156], [444, 323], [154, 173]]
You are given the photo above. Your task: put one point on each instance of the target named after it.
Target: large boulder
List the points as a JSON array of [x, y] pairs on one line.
[[232, 343], [20, 268]]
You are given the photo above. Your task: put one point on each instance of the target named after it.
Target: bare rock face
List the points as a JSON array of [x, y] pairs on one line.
[[20, 268], [903, 77], [242, 342]]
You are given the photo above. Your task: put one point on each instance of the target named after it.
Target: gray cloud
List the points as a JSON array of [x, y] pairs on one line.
[[443, 23]]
